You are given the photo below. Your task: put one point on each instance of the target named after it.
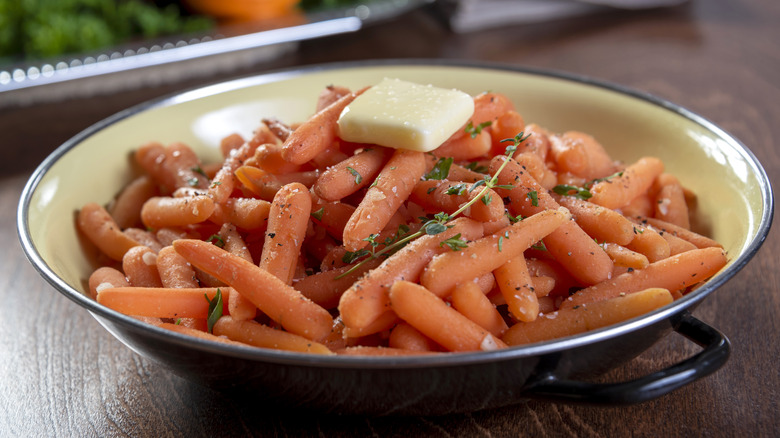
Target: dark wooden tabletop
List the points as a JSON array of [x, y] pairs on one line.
[[62, 374]]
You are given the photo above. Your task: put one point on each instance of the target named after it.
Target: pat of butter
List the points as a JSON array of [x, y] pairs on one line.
[[405, 115]]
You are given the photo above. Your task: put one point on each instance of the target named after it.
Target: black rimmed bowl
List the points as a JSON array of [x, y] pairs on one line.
[[735, 206]]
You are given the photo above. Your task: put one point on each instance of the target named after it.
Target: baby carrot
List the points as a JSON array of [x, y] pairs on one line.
[[569, 244], [162, 302], [198, 334], [571, 321], [140, 266], [465, 147], [406, 337], [448, 196], [245, 213], [621, 190], [175, 271], [271, 295], [230, 143], [259, 335], [672, 273], [105, 277], [164, 211], [287, 223], [670, 205], [100, 228], [126, 209], [581, 155], [514, 282], [485, 255], [362, 350], [697, 239], [600, 223], [435, 319], [507, 125], [472, 303], [624, 257], [393, 186], [650, 243], [316, 134], [367, 298], [325, 288], [351, 175]]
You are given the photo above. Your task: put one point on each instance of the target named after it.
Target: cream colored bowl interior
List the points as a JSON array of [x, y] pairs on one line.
[[730, 203]]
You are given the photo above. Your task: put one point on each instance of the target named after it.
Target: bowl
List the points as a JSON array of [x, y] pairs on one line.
[[93, 166]]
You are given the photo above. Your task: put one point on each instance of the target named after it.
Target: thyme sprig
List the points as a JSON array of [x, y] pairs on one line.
[[439, 223]]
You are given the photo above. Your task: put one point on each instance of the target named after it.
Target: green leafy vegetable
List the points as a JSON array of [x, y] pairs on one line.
[[440, 170], [215, 309]]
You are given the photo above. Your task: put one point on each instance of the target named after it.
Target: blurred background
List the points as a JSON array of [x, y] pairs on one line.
[[44, 43]]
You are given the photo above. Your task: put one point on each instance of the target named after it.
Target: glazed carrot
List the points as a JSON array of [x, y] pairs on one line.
[[406, 337], [275, 298], [268, 157], [367, 298], [568, 322], [642, 205], [465, 147], [325, 288], [672, 273], [174, 270], [448, 196], [670, 205], [287, 222], [230, 143], [163, 211], [624, 257], [472, 303], [507, 125], [600, 223], [621, 190], [316, 134], [100, 228], [514, 282], [648, 242], [105, 277], [457, 172], [489, 106], [126, 209], [140, 266], [350, 175], [280, 129], [697, 239], [569, 244], [393, 186], [485, 255], [167, 235], [562, 280], [333, 216], [198, 334], [329, 95], [240, 307], [537, 141], [382, 323], [225, 181], [144, 237], [581, 155], [162, 302], [361, 350], [536, 166], [245, 213], [171, 167], [439, 321], [259, 335]]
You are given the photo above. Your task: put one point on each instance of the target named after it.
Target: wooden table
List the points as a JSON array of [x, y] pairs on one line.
[[61, 374]]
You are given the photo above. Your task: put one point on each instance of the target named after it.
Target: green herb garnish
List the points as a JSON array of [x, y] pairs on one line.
[[215, 309]]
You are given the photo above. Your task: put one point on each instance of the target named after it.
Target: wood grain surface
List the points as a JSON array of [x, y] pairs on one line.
[[62, 374]]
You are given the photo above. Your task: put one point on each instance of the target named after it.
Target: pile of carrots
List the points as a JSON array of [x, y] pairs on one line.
[[507, 234]]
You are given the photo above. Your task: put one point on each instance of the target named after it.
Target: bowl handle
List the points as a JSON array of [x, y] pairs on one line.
[[712, 357]]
